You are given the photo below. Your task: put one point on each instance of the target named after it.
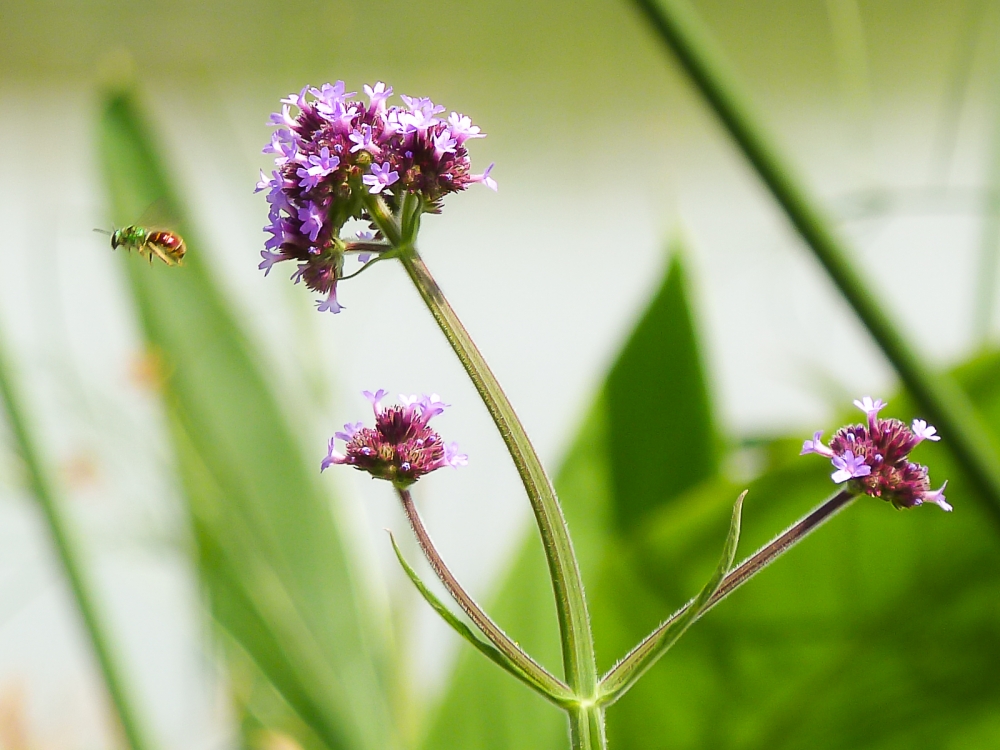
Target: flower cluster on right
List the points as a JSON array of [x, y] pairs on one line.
[[874, 458]]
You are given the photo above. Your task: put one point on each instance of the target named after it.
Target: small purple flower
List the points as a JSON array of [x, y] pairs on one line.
[[380, 177], [283, 144], [297, 100], [376, 399], [849, 466], [282, 118], [444, 144], [485, 178], [264, 183], [874, 458], [924, 431], [377, 95], [462, 128], [401, 448], [454, 458], [312, 220], [936, 497], [816, 446], [330, 304], [320, 165], [269, 260]]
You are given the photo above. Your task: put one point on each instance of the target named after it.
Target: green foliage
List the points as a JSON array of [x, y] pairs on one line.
[[658, 407], [270, 555]]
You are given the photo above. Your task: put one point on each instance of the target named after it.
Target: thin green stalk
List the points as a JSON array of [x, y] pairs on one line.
[[543, 680], [679, 27], [72, 563], [628, 671], [571, 605], [586, 728]]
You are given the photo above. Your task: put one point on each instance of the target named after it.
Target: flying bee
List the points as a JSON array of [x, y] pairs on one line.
[[166, 245]]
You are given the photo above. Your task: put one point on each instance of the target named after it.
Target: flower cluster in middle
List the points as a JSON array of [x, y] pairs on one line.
[[335, 152], [401, 448], [874, 457]]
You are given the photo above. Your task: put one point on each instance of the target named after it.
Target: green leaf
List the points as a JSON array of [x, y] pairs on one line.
[[269, 552], [661, 437], [489, 651]]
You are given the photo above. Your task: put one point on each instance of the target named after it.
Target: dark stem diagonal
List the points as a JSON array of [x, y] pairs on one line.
[[619, 679], [682, 31], [70, 558], [553, 686], [571, 605]]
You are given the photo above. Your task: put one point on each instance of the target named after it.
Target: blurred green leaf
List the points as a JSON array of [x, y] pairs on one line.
[[270, 555], [660, 431], [657, 388]]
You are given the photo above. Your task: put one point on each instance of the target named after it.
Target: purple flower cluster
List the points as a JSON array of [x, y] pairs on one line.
[[874, 457], [333, 151], [401, 448]]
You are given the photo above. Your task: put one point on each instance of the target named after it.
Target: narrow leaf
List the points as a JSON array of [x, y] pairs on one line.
[[487, 649], [658, 406], [633, 666]]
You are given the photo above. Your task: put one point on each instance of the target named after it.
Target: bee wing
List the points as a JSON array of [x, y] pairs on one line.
[[160, 214]]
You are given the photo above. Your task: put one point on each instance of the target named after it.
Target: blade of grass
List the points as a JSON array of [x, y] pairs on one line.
[[71, 560], [679, 28]]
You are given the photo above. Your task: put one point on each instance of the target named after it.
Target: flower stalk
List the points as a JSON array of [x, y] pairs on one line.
[[547, 683]]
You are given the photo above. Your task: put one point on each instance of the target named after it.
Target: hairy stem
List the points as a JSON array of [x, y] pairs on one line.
[[72, 564], [541, 676], [678, 27]]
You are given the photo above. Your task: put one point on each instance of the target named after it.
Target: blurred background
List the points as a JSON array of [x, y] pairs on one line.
[[605, 158]]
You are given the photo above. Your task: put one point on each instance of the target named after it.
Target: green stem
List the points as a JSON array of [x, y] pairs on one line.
[[571, 605], [628, 671], [552, 686], [678, 26], [71, 559], [586, 728]]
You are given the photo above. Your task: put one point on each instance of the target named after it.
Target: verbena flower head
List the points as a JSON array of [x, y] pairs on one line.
[[401, 448], [874, 458], [330, 150]]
